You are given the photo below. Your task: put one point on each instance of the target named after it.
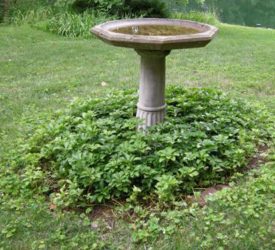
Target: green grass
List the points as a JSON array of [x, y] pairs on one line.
[[238, 218], [42, 72], [34, 226]]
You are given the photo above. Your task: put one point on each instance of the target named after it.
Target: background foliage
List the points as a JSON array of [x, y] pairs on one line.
[[74, 18], [245, 12]]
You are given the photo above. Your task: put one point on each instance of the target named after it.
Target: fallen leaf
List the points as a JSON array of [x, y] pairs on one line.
[[52, 207]]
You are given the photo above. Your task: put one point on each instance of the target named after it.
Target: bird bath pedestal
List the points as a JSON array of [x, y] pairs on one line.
[[153, 39]]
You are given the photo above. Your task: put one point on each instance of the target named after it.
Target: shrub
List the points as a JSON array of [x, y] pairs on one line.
[[104, 6], [74, 25], [81, 15], [15, 9], [120, 8], [145, 8], [74, 18], [32, 16], [92, 153]]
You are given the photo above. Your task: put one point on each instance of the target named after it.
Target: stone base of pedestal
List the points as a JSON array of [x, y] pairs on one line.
[[150, 116]]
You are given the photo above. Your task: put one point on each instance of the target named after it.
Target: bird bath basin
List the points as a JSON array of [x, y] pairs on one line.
[[153, 39]]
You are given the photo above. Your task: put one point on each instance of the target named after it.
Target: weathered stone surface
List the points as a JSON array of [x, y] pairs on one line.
[[204, 35], [151, 105], [153, 50]]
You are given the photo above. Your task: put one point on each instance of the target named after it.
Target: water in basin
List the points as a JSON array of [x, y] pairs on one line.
[[155, 30]]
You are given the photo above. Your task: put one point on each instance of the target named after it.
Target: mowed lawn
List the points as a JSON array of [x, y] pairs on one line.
[[42, 72]]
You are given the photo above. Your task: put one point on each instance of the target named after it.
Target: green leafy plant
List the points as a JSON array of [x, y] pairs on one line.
[[166, 187], [74, 25], [92, 153]]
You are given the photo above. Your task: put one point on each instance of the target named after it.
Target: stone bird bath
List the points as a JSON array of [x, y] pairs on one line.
[[153, 39]]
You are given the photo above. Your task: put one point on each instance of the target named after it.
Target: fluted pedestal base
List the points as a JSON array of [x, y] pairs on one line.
[[151, 105], [150, 116]]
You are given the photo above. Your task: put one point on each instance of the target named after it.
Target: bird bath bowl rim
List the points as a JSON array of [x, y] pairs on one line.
[[106, 32]]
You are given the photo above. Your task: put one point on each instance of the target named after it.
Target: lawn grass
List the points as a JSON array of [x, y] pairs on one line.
[[42, 72]]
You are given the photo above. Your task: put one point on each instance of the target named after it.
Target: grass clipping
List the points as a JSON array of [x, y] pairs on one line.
[[92, 153]]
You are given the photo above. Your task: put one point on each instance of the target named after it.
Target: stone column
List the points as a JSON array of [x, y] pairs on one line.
[[151, 106]]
